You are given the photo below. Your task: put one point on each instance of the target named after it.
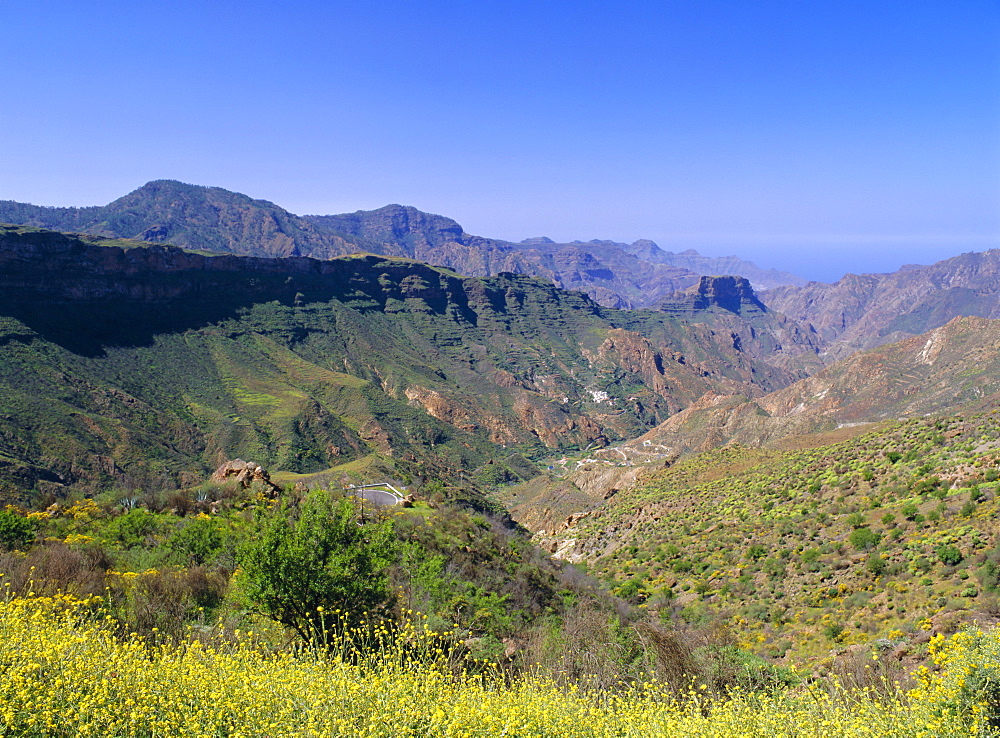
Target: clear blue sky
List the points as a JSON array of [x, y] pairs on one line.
[[821, 137]]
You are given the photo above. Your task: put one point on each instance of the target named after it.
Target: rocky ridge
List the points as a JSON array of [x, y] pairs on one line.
[[863, 311]]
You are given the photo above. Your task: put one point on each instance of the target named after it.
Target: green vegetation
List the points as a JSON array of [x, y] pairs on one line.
[[801, 551], [147, 384], [325, 560]]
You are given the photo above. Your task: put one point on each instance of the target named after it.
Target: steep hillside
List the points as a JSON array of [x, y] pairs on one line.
[[863, 311], [876, 539], [954, 365], [139, 365]]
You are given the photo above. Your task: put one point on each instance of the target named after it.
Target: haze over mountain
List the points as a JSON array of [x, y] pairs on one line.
[[214, 219]]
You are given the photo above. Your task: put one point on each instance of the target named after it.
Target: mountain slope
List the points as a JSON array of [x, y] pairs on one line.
[[882, 536], [954, 365], [305, 364], [863, 311], [208, 218]]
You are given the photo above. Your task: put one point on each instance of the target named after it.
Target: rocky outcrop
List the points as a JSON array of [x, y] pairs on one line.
[[726, 293], [246, 474]]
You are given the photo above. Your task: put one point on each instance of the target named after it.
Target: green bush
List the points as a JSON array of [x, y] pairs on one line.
[[200, 539], [876, 565], [16, 531], [948, 554], [856, 520], [863, 539], [133, 528]]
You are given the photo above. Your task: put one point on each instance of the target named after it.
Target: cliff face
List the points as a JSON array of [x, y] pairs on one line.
[[727, 293]]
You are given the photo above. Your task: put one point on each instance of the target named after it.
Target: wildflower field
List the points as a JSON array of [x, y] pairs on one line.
[[63, 672]]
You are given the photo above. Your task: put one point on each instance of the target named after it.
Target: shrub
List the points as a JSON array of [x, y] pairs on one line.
[[133, 528], [948, 554], [863, 539], [200, 539], [876, 565], [16, 531]]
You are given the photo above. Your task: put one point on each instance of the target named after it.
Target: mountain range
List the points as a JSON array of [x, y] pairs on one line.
[[130, 361], [507, 359], [220, 221]]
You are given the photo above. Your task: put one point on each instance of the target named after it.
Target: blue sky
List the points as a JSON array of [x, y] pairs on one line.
[[820, 137]]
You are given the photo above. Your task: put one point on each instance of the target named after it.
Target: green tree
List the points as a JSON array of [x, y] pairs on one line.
[[949, 555], [296, 569]]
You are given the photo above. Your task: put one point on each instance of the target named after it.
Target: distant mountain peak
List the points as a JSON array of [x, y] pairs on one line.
[[537, 240]]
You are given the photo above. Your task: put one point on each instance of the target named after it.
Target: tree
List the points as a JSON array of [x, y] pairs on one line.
[[298, 571], [949, 555]]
